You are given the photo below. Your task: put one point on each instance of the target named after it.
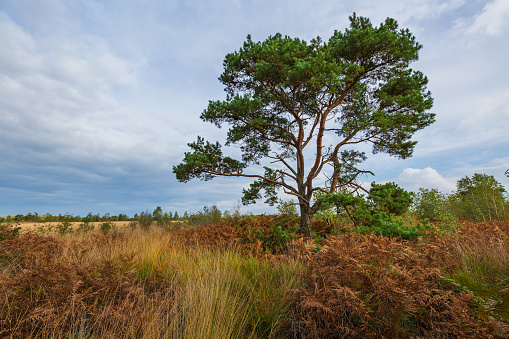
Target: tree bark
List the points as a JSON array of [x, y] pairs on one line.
[[306, 216]]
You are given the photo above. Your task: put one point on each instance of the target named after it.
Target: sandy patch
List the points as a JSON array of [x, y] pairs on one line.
[[32, 225]]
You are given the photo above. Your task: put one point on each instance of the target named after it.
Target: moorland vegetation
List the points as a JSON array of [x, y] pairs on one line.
[[387, 264]]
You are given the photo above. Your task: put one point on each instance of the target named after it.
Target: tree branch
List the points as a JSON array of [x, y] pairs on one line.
[[290, 188]]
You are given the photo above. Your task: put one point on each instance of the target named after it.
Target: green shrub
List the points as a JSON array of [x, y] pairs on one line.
[[274, 235], [386, 225], [106, 226], [65, 226], [435, 206], [85, 226], [429, 204], [158, 215], [145, 220], [209, 215], [133, 224], [378, 212], [355, 207], [390, 198], [86, 223]]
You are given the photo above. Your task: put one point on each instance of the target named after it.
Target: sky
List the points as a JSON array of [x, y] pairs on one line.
[[98, 99]]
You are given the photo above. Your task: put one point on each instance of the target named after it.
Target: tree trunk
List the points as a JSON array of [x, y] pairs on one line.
[[306, 217]]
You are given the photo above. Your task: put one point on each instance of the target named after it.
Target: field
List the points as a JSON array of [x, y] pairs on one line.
[[35, 226], [237, 278]]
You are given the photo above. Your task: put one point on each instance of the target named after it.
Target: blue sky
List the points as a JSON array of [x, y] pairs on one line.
[[98, 99]]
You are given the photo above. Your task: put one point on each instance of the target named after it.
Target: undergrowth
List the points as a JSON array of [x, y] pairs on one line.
[[139, 284], [371, 286], [254, 277]]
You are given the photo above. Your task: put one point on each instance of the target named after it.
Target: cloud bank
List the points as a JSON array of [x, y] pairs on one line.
[[99, 99], [413, 178]]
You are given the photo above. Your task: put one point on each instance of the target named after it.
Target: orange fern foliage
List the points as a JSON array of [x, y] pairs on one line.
[[45, 295], [356, 285], [368, 286]]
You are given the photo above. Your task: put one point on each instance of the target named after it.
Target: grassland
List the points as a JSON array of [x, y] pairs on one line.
[[243, 277]]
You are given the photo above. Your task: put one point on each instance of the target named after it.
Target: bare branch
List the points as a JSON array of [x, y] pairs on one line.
[[280, 158]]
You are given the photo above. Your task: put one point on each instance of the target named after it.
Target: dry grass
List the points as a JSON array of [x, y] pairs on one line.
[[217, 282], [138, 285]]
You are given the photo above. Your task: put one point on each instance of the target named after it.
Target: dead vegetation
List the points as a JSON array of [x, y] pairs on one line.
[[220, 281], [368, 286]]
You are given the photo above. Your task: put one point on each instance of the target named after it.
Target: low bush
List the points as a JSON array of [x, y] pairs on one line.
[[385, 225], [107, 226], [64, 227], [85, 227], [377, 212], [274, 238], [206, 216], [430, 204], [145, 220]]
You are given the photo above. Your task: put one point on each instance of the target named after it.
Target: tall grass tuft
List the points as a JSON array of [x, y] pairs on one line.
[[139, 284], [483, 272]]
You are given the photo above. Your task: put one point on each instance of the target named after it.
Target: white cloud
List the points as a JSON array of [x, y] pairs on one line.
[[115, 89], [494, 19], [18, 52], [418, 9], [60, 94], [413, 178], [411, 13]]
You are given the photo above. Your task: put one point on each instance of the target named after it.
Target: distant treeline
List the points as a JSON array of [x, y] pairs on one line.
[[480, 197], [157, 215]]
